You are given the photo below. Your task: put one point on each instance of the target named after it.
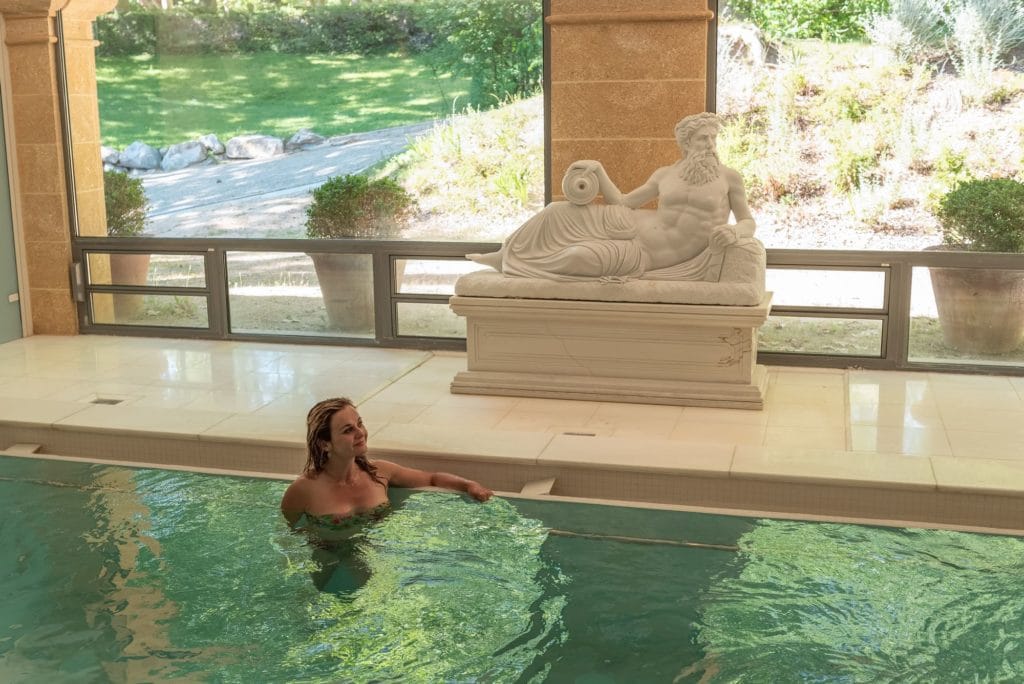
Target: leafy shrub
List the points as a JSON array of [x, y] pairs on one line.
[[1001, 22], [976, 35], [847, 104], [852, 168], [126, 204], [1000, 96], [984, 215], [949, 169], [497, 43], [913, 30], [126, 32], [779, 20], [353, 206], [362, 27]]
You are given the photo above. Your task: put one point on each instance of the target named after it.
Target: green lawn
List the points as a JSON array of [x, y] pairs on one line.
[[170, 99]]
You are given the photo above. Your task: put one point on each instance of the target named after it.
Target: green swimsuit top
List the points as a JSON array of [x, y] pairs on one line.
[[337, 523]]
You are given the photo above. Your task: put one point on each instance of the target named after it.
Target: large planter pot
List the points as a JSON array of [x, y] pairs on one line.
[[981, 311], [128, 269], [346, 282]]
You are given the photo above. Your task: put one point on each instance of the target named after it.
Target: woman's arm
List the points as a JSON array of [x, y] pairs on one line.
[[293, 503], [401, 476]]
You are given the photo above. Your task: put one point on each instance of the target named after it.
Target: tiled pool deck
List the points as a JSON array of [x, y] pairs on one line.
[[930, 447]]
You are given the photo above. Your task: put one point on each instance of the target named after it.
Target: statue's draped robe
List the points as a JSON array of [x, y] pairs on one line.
[[605, 236]]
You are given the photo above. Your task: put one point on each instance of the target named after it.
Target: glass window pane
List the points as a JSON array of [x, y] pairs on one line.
[[965, 315], [808, 335], [197, 141], [432, 276], [429, 320], [171, 311], [301, 294], [826, 288], [845, 128], [161, 270], [118, 269]]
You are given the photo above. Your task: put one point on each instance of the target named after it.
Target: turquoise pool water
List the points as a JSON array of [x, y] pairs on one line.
[[119, 574]]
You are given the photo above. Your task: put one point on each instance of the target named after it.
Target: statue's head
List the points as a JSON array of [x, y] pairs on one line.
[[690, 125]]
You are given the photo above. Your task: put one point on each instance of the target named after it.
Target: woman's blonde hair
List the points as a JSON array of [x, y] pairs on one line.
[[318, 431]]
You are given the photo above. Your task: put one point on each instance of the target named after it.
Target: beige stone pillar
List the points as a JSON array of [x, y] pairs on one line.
[[36, 148], [623, 72], [83, 107]]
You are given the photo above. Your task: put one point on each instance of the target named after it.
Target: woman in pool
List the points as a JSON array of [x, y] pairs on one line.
[[339, 483]]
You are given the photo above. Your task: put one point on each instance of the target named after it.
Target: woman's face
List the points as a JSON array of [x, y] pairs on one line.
[[348, 436]]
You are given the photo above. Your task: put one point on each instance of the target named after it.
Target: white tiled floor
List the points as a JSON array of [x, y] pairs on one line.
[[966, 426]]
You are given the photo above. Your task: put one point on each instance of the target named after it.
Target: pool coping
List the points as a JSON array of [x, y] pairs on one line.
[[864, 487], [26, 451]]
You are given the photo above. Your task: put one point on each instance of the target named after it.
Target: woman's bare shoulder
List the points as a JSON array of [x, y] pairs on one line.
[[299, 488], [384, 468]]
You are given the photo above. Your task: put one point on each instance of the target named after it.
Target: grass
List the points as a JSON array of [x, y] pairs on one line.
[[836, 336], [851, 337], [170, 99]]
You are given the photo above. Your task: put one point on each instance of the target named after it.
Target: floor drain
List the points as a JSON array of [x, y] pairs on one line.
[[581, 434], [107, 402]]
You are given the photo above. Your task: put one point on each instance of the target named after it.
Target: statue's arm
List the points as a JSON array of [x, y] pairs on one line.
[[745, 225], [642, 195], [611, 193]]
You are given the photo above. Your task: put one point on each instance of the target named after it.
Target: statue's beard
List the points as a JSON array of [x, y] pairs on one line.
[[699, 168]]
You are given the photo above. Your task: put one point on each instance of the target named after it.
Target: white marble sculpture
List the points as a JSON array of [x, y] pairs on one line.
[[684, 238], [612, 302]]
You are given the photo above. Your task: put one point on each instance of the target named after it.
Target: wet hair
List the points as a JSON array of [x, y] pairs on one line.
[[693, 123], [318, 431]]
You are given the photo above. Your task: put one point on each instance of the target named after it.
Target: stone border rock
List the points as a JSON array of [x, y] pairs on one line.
[[139, 158]]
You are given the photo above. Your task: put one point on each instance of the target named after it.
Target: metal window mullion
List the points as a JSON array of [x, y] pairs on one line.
[[805, 360], [215, 266], [148, 290], [845, 312], [384, 310], [422, 297], [711, 69], [898, 330], [64, 106]]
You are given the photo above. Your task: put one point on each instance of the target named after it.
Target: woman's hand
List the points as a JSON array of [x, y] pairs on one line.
[[478, 491]]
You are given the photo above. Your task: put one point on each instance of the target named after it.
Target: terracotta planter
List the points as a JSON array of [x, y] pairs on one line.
[[981, 311], [128, 269], [346, 282]]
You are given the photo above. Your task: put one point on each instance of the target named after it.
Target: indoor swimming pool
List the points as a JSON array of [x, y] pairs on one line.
[[122, 574]]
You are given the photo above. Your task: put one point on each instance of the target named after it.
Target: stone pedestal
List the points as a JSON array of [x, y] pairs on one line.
[[679, 354]]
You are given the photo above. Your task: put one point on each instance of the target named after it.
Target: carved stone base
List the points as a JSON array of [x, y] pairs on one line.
[[679, 354]]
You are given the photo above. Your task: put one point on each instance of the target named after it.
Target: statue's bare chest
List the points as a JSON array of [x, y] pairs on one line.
[[708, 198]]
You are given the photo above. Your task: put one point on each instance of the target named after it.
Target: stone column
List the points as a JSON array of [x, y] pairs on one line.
[[83, 107], [36, 148], [623, 72]]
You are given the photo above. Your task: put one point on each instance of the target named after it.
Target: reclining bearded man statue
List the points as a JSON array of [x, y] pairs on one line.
[[683, 239]]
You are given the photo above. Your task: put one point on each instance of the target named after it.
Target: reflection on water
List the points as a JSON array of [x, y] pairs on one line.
[[829, 602], [450, 593], [114, 574]]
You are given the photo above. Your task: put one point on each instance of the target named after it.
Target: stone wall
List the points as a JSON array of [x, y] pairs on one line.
[[623, 72]]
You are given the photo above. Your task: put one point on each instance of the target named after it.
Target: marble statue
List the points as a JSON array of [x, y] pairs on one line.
[[684, 238]]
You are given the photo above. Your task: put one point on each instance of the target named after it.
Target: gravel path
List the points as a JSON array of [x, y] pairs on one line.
[[262, 198]]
